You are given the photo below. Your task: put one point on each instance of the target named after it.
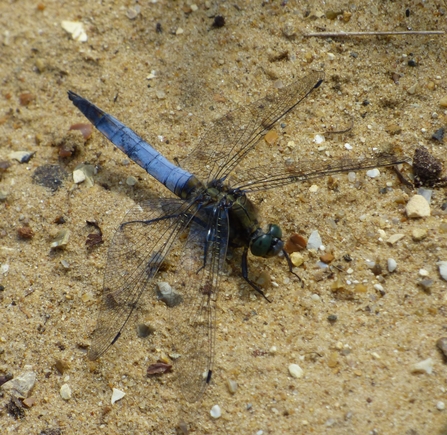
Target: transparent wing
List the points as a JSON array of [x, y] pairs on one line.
[[231, 137], [193, 321], [274, 175], [139, 247]]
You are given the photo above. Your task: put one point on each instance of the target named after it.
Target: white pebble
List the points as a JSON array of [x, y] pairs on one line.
[[313, 188], [215, 411], [315, 298], [65, 392], [442, 269], [424, 366], [314, 241], [318, 139], [379, 288], [232, 386], [373, 173], [423, 272], [117, 395], [392, 265], [417, 207], [348, 146], [440, 406], [395, 238], [351, 176], [75, 29], [295, 371]]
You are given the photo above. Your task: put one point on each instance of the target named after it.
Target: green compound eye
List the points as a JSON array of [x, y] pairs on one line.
[[267, 244], [275, 231], [261, 245]]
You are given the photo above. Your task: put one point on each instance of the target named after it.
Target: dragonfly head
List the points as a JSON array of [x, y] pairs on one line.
[[267, 243]]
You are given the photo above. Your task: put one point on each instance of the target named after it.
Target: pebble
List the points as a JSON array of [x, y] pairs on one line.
[[442, 345], [439, 134], [296, 371], [49, 176], [295, 243], [373, 173], [412, 89], [391, 264], [232, 386], [314, 241], [348, 146], [117, 395], [133, 12], [442, 269], [21, 156], [423, 272], [85, 129], [297, 259], [215, 411], [419, 234], [443, 101], [22, 384], [393, 129], [271, 137], [65, 392], [352, 177], [83, 173], [131, 181], [440, 406], [313, 188], [61, 238], [166, 294], [426, 193], [319, 139], [426, 283], [327, 258], [395, 238], [75, 29], [424, 366], [417, 207], [379, 288]]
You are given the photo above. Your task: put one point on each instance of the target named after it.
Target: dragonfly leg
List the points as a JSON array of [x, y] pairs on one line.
[[244, 267], [289, 262]]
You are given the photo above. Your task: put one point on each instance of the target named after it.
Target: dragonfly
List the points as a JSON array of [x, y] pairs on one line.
[[209, 213]]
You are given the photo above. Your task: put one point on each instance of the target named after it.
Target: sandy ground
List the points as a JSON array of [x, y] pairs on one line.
[[358, 373]]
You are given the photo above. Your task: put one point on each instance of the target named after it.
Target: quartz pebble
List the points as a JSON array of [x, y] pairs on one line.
[[442, 269], [297, 259], [314, 241], [319, 139], [75, 29], [442, 345], [391, 264], [424, 366], [417, 207], [83, 173], [373, 173], [65, 392], [61, 238], [21, 385], [215, 411], [232, 386], [21, 156], [440, 406], [117, 395], [166, 294], [395, 238], [419, 234], [296, 371]]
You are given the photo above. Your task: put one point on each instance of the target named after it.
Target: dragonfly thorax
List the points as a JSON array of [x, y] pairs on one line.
[[267, 243]]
